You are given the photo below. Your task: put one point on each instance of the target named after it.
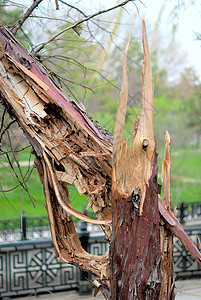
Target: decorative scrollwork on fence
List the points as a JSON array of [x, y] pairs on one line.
[[32, 267]]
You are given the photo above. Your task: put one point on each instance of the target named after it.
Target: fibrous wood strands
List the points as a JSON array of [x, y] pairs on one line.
[[71, 148]]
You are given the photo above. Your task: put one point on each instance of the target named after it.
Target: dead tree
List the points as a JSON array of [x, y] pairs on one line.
[[120, 184]]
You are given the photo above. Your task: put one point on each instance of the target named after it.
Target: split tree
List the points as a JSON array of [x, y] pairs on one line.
[[120, 184]]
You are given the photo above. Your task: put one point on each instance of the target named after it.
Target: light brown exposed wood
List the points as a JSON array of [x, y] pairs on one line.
[[166, 166], [135, 235], [121, 111], [144, 155], [166, 236]]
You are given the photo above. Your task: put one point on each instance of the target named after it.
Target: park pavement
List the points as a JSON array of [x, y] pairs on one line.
[[188, 289], [185, 290]]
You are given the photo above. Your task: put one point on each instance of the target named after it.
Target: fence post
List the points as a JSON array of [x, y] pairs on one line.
[[85, 287], [24, 226], [182, 213]]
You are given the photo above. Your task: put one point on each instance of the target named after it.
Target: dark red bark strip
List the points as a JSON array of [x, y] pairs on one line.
[[135, 246], [176, 228], [16, 52]]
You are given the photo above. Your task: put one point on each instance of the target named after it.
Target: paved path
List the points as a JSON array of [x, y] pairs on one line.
[[185, 290], [188, 289]]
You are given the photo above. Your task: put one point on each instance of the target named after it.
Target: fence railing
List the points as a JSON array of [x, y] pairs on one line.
[[28, 228], [184, 263], [38, 227], [31, 267], [188, 211], [24, 228]]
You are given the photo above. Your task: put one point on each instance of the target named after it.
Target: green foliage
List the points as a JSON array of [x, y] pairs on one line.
[[9, 15], [185, 186], [193, 109], [12, 203]]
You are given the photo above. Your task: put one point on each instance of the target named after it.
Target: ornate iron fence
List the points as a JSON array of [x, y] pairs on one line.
[[188, 211], [38, 227], [184, 264], [30, 267]]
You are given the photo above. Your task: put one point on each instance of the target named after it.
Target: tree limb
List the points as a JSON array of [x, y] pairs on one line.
[[20, 22]]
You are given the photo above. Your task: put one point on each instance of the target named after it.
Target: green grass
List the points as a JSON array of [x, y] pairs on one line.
[[13, 202], [185, 185], [185, 174]]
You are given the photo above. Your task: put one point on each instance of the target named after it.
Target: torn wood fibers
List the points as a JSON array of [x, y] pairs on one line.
[[71, 148]]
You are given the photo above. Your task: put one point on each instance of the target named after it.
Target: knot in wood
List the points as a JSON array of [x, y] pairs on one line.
[[136, 196], [145, 144]]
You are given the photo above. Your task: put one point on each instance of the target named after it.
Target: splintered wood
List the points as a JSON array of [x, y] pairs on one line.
[[120, 185], [166, 236], [60, 132], [141, 242], [135, 243]]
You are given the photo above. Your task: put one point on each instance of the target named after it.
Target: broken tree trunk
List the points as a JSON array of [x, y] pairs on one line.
[[141, 243], [135, 244], [72, 149]]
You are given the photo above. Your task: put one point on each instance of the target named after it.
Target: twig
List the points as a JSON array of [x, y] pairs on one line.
[[2, 119], [198, 240], [2, 191], [20, 22], [57, 4], [80, 22], [23, 182], [5, 129]]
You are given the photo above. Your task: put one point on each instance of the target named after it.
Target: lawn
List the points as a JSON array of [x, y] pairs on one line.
[[185, 175], [185, 185], [13, 202]]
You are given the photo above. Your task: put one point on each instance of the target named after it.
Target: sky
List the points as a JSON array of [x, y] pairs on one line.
[[189, 22], [187, 17]]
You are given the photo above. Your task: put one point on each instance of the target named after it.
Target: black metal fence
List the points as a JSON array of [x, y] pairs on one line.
[[24, 228], [31, 267], [188, 211], [184, 263], [38, 227], [27, 228]]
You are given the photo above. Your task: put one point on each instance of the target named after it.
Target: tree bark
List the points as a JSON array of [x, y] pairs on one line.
[[135, 243]]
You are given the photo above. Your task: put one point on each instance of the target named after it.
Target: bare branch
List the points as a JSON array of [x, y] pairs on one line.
[[73, 26], [4, 131], [23, 182], [2, 119], [20, 22], [57, 4]]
